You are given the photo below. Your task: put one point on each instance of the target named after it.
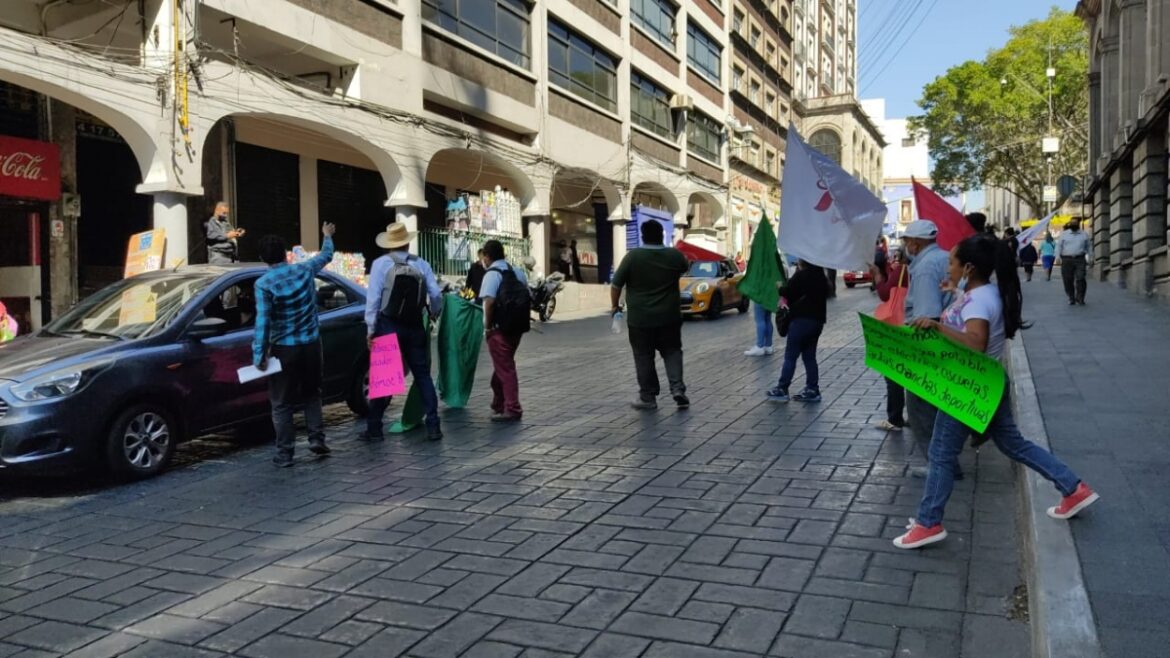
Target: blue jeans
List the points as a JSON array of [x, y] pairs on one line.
[[763, 325], [413, 343], [947, 442], [803, 334]]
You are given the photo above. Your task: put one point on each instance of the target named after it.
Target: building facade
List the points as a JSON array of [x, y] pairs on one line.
[[840, 128], [825, 48], [760, 98], [1129, 111], [541, 122], [905, 159]]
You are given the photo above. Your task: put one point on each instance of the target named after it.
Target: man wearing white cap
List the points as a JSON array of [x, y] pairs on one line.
[[924, 299], [403, 287]]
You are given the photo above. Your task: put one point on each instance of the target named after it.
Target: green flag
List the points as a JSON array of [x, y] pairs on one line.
[[764, 269], [460, 337]]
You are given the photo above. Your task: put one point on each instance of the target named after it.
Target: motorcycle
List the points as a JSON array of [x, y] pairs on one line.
[[544, 294]]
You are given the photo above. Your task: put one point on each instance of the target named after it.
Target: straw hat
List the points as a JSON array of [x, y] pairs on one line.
[[396, 235]]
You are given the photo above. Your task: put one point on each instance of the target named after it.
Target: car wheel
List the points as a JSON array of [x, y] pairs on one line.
[[141, 441], [849, 284], [358, 399], [744, 305], [716, 306], [547, 313]]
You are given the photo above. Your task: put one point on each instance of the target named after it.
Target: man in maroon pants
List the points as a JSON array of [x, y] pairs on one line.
[[506, 308]]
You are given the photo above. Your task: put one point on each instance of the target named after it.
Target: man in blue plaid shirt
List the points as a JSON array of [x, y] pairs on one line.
[[287, 328]]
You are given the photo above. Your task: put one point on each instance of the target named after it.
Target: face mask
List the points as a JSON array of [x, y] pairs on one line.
[[962, 284]]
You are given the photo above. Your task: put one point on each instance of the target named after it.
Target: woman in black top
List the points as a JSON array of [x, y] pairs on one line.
[[475, 274], [807, 294]]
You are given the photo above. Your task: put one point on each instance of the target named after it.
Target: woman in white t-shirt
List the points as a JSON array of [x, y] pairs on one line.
[[982, 318]]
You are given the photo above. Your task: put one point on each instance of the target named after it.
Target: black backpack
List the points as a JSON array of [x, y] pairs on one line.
[[404, 293], [512, 313]]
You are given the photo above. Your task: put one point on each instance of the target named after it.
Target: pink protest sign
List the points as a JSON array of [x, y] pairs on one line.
[[386, 374]]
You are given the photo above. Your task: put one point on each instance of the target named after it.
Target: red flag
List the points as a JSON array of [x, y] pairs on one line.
[[952, 225]]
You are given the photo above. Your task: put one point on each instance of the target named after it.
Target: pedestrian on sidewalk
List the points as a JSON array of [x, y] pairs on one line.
[[402, 288], [507, 315], [925, 300], [575, 261], [886, 279], [1074, 251], [1028, 258], [649, 274], [475, 275], [1048, 255], [222, 238], [807, 294], [761, 284], [984, 316], [287, 329]]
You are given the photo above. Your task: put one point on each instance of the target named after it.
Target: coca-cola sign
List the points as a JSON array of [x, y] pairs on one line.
[[29, 169]]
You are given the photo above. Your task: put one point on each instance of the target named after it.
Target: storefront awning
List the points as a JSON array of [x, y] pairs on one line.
[[693, 252]]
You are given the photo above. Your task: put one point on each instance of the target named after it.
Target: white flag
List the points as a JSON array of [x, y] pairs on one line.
[[1031, 233], [827, 217]]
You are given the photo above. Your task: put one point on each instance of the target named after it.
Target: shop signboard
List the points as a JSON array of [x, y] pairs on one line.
[[29, 169], [145, 252]]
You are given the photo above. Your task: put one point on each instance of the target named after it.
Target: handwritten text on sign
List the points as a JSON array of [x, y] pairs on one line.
[[386, 373], [961, 382]]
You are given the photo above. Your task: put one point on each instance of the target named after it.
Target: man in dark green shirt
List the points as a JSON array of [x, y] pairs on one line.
[[649, 274]]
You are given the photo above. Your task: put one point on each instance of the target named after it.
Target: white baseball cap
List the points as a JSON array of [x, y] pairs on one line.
[[921, 228]]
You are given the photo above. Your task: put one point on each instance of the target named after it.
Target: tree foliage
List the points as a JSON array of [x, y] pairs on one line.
[[986, 120]]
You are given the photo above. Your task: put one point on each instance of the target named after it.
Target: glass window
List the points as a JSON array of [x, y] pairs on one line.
[[754, 92], [907, 142], [703, 136], [137, 307], [827, 142], [737, 21], [581, 67], [754, 39], [703, 52], [650, 105], [500, 27], [737, 79], [656, 17]]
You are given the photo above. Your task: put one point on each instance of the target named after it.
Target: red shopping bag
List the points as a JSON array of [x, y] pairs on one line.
[[893, 310]]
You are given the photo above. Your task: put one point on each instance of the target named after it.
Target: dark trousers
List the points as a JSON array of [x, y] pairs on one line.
[[1072, 270], [667, 342], [831, 276], [412, 341], [505, 380], [895, 403], [803, 334], [297, 383]]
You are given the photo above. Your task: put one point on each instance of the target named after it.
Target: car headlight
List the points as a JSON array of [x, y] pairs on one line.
[[702, 288], [58, 384]]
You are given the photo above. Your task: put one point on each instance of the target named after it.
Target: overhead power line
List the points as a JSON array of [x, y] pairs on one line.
[[897, 51]]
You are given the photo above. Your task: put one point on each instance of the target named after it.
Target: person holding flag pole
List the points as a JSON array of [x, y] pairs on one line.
[[765, 273]]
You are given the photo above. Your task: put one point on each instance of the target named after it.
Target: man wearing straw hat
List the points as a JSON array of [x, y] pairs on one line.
[[402, 286]]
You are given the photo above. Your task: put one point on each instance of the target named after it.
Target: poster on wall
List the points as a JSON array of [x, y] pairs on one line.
[[145, 252]]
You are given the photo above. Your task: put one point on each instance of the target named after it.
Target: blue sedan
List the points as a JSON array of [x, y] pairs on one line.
[[150, 360]]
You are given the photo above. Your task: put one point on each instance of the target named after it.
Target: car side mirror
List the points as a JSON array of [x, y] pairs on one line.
[[207, 328]]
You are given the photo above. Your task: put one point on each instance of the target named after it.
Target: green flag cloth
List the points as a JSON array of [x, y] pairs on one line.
[[460, 337], [764, 270], [412, 410]]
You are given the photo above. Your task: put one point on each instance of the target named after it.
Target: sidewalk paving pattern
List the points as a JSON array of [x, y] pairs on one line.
[[1101, 373], [737, 528]]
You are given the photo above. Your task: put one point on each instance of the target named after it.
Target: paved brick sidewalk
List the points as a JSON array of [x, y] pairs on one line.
[[737, 528], [1102, 372]]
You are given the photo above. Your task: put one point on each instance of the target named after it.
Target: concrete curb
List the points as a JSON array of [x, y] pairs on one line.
[[1058, 604]]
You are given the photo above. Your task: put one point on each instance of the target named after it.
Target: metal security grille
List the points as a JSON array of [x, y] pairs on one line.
[[268, 196], [451, 253]]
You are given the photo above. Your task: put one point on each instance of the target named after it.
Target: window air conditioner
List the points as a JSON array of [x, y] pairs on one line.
[[682, 102]]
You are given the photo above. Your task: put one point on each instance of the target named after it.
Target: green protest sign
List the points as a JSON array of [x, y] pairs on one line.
[[961, 382]]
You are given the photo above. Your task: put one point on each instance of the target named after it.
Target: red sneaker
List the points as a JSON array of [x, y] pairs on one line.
[[920, 535], [1072, 504]]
